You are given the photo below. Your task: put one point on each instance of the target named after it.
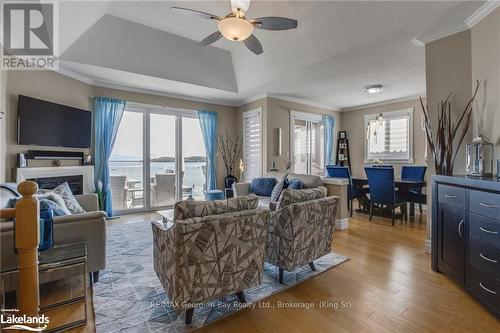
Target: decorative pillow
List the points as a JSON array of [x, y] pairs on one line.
[[290, 196], [69, 199], [282, 184], [45, 203], [263, 186], [189, 208], [55, 198], [245, 202], [49, 204], [295, 184]]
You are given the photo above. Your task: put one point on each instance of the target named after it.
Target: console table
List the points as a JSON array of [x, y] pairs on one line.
[[466, 235]]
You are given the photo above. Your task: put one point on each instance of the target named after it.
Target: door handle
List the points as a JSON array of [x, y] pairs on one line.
[[488, 205], [488, 259], [487, 289], [488, 231], [450, 196], [460, 228]]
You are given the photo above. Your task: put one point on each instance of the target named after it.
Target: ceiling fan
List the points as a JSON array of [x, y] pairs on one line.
[[237, 28]]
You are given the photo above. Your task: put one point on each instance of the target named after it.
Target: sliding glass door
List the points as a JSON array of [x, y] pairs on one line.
[[308, 143], [126, 164], [194, 159], [162, 159], [158, 158]]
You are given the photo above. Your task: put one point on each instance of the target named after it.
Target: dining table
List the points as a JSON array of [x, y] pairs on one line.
[[401, 185]]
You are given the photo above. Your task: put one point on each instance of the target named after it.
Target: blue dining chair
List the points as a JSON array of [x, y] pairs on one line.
[[415, 172], [337, 171], [383, 191]]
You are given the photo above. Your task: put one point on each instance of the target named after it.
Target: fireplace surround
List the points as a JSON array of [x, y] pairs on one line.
[[80, 178]]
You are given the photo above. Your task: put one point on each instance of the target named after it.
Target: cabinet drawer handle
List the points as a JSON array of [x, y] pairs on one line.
[[460, 228], [450, 196], [488, 231], [487, 289], [488, 259], [488, 205]]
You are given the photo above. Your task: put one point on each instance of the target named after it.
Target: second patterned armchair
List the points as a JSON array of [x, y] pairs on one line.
[[212, 249], [300, 229]]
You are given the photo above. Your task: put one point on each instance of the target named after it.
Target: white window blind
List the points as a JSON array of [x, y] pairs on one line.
[[390, 139], [252, 144]]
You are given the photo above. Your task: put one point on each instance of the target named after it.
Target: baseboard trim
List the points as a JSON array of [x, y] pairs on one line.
[[428, 246], [342, 224]]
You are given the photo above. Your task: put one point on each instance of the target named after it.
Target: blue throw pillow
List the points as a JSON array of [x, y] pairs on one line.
[[44, 204], [49, 204], [295, 184], [278, 188], [263, 186]]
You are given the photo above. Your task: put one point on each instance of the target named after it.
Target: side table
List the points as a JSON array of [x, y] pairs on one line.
[[63, 284]]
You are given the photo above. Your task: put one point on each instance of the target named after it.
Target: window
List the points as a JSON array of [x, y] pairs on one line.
[[158, 158], [390, 139], [252, 144], [308, 143]]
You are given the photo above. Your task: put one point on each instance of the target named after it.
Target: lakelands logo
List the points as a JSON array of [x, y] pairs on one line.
[[25, 323], [30, 35]]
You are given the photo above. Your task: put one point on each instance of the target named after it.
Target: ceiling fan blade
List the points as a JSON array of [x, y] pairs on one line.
[[241, 4], [210, 39], [253, 44], [196, 13], [274, 23]]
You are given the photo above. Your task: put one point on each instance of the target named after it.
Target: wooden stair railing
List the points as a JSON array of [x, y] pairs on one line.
[[26, 232]]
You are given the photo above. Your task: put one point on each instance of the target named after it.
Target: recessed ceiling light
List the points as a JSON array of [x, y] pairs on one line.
[[373, 89]]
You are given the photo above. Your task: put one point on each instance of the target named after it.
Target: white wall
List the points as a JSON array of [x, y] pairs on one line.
[[3, 125], [486, 68]]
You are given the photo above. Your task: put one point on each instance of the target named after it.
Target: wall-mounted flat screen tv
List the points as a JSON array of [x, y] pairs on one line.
[[44, 123]]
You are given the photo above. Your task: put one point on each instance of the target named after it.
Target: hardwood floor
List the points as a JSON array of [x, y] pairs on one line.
[[386, 286]]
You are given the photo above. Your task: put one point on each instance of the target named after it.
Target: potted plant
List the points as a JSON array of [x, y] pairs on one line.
[[230, 150], [442, 145]]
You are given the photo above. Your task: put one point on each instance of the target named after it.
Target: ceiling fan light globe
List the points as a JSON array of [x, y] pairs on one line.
[[235, 29]]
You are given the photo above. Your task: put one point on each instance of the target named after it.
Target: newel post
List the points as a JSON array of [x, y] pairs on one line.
[[27, 237]]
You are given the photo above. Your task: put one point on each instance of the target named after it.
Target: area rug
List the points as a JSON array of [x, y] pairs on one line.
[[130, 298]]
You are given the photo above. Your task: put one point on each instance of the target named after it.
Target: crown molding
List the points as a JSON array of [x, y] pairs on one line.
[[73, 75], [288, 99], [303, 101], [111, 85], [252, 99], [482, 12], [381, 103]]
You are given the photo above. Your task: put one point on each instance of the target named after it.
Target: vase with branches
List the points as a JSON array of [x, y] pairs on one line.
[[229, 148], [450, 134]]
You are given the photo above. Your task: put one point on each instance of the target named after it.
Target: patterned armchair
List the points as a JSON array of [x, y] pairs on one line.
[[300, 229], [212, 249]]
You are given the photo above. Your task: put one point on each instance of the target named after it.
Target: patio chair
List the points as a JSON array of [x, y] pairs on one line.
[[165, 189], [119, 192]]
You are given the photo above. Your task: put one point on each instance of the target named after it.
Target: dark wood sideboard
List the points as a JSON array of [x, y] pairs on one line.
[[466, 235]]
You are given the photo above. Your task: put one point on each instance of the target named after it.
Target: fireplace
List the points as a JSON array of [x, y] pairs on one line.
[[48, 183], [79, 178]]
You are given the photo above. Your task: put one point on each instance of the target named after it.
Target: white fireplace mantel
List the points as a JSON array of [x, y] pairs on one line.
[[87, 171]]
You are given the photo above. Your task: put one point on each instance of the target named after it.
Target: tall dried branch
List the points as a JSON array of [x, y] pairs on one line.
[[230, 150], [442, 145]]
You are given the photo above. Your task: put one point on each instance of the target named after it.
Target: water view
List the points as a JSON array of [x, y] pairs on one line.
[[193, 181]]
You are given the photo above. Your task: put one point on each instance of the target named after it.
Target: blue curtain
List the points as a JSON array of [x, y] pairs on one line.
[[329, 122], [208, 124], [108, 113]]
